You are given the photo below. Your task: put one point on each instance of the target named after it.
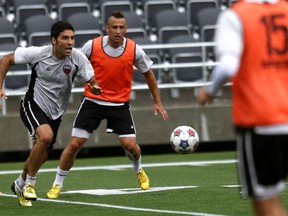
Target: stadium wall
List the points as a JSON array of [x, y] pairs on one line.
[[212, 122]]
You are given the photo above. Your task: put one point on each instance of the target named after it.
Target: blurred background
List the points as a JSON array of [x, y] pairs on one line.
[[176, 34]]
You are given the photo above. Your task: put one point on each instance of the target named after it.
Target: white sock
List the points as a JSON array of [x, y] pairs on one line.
[[30, 180], [20, 182], [60, 177], [135, 163]]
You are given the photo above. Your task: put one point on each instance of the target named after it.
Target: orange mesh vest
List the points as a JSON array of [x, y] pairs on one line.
[[114, 74], [260, 89]]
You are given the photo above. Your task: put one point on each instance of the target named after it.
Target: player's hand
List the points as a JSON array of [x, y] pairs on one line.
[[160, 109], [95, 89], [2, 95], [164, 115], [203, 96]]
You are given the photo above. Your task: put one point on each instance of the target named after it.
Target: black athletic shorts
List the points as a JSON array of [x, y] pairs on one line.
[[119, 118], [263, 163], [32, 117]]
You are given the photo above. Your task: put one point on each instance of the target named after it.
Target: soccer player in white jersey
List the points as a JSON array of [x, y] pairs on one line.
[[112, 57], [54, 68]]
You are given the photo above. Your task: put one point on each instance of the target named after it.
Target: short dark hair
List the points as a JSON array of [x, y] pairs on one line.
[[59, 27], [116, 14]]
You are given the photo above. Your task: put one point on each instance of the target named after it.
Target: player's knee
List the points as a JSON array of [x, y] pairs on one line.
[[133, 150], [45, 139], [75, 146]]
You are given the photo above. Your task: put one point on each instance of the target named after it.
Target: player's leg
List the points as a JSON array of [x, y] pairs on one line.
[[44, 136], [70, 152], [18, 185], [133, 152], [38, 154], [67, 160], [262, 170], [269, 207], [120, 121], [82, 124]]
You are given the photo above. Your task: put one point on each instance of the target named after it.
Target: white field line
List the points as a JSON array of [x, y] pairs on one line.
[[128, 166], [126, 191], [122, 207]]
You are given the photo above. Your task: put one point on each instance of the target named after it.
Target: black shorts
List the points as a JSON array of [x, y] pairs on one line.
[[263, 163], [32, 117], [119, 118]]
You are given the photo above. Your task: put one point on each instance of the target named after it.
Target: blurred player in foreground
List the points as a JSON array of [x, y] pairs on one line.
[[112, 58], [54, 68], [252, 49]]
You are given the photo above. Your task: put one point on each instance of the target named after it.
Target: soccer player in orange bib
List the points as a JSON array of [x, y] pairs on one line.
[[112, 57], [252, 46]]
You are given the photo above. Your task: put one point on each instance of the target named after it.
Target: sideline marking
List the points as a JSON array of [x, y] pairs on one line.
[[231, 186], [128, 166], [125, 191], [122, 207]]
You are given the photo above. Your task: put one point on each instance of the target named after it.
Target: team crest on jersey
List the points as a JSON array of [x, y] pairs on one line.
[[67, 69]]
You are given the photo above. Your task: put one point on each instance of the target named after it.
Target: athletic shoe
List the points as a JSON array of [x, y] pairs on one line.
[[143, 179], [29, 192], [17, 191], [54, 192]]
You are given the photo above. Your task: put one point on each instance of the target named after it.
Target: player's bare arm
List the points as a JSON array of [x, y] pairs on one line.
[[5, 63], [94, 86], [153, 87], [203, 96]]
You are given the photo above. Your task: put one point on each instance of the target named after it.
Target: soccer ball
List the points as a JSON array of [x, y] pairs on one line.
[[184, 139]]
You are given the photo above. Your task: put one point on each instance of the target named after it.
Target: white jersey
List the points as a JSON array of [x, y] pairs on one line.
[[142, 62], [51, 79]]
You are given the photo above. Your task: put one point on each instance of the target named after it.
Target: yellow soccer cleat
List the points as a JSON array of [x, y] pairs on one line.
[[29, 192], [17, 191], [54, 192], [143, 179]]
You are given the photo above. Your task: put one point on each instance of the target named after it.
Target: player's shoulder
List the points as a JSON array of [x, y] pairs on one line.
[[78, 56], [44, 49], [77, 53], [35, 51]]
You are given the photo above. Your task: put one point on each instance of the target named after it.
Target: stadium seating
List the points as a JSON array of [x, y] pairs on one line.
[[86, 27], [165, 19], [207, 19], [7, 32], [2, 9], [147, 41], [38, 30], [152, 8], [51, 4], [137, 4], [168, 28], [107, 6], [27, 8], [186, 55], [67, 7], [170, 23], [15, 82], [138, 78], [135, 25], [230, 2], [193, 7]]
